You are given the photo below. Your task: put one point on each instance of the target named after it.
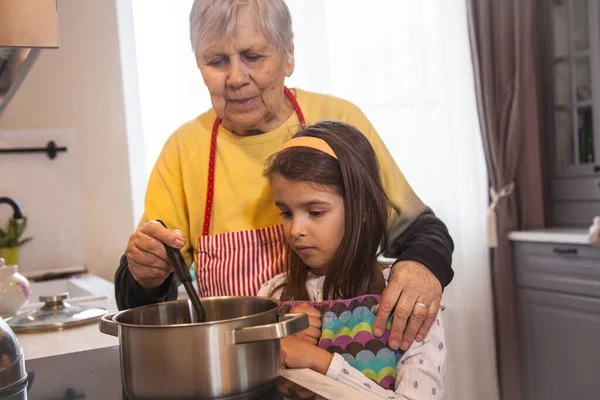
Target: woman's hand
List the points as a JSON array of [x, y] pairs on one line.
[[412, 291], [313, 333], [146, 254], [297, 353]]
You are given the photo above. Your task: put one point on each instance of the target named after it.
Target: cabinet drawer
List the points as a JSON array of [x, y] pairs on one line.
[[577, 189], [574, 213], [558, 267], [558, 346]]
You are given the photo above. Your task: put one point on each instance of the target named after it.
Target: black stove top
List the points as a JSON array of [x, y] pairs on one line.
[[96, 374]]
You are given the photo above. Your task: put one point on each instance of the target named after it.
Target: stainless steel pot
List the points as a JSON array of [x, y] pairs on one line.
[[165, 353], [13, 377]]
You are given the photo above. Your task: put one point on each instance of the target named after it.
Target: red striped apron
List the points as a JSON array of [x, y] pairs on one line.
[[237, 263]]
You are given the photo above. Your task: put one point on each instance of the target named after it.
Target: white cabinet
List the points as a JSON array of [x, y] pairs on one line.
[[570, 43]]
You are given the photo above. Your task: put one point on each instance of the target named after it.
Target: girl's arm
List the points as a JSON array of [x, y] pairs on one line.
[[420, 370]]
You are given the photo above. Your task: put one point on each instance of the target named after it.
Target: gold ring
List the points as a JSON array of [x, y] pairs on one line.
[[422, 305]]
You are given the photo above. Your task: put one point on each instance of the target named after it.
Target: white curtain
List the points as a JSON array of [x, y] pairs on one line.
[[407, 65]]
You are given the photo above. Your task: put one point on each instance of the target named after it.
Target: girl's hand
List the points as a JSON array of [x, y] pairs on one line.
[[297, 353], [313, 333]]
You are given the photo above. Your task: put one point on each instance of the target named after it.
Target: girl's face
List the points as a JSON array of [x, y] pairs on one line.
[[313, 220]]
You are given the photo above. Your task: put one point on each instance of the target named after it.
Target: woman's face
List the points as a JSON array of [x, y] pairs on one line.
[[245, 76], [313, 220]]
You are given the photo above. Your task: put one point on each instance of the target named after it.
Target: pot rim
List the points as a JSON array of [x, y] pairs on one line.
[[114, 317]]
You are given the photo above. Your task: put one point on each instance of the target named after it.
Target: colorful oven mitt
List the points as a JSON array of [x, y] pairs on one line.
[[348, 330]]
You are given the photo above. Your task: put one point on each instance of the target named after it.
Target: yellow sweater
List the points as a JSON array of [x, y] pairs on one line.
[[176, 190]]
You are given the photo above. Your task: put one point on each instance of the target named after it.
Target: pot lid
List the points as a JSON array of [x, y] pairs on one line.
[[56, 314]]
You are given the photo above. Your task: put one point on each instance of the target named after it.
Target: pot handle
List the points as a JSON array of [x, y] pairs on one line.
[[108, 326], [289, 324]]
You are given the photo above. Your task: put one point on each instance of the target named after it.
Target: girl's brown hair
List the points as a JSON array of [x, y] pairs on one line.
[[355, 176]]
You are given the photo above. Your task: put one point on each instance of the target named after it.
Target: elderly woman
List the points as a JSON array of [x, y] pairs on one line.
[[207, 184]]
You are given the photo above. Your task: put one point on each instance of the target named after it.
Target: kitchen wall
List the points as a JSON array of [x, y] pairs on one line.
[[81, 87], [49, 194]]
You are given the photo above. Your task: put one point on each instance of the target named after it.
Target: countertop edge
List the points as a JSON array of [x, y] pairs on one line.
[[552, 235]]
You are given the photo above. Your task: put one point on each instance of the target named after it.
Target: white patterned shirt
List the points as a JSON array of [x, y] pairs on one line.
[[421, 368]]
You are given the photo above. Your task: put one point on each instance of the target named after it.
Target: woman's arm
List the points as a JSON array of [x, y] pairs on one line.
[[418, 240], [426, 241], [130, 294], [415, 233]]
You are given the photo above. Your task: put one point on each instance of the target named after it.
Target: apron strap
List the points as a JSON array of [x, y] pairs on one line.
[[210, 187]]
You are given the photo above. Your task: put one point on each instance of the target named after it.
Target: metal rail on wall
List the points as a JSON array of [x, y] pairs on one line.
[[51, 150]]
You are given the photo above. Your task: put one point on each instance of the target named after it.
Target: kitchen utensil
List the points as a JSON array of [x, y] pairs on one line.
[[183, 273], [13, 376], [55, 315], [166, 353]]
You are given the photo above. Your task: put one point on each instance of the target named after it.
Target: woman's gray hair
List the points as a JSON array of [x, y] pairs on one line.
[[213, 20]]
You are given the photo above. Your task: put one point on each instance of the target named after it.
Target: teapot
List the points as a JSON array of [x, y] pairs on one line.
[[14, 289]]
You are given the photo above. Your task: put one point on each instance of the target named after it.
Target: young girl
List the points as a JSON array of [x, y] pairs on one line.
[[327, 185]]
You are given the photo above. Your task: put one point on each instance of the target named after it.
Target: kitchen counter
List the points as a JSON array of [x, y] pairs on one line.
[[88, 337], [38, 345], [552, 235]]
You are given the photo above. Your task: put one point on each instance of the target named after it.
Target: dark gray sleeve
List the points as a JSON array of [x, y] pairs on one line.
[[427, 241], [130, 294]]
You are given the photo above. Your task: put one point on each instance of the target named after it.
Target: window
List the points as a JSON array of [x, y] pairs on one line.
[[407, 65]]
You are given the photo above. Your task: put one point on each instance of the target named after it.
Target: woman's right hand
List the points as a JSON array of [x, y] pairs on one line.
[[146, 254], [312, 334]]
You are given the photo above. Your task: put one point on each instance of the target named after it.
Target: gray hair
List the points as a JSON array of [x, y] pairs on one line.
[[211, 20]]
